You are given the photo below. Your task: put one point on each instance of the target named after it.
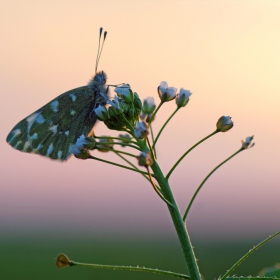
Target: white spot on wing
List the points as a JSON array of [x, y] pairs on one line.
[[53, 129], [26, 145], [72, 112], [40, 119], [54, 106], [66, 132], [34, 136], [30, 120], [50, 149], [40, 146], [59, 154], [73, 97], [15, 132], [18, 143]]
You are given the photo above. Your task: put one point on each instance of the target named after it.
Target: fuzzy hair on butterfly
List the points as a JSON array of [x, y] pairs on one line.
[[53, 130]]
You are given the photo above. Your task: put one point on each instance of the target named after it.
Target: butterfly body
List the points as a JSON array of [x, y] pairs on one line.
[[52, 130]]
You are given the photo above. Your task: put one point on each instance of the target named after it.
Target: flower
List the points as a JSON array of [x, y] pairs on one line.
[[141, 130], [224, 123], [182, 98], [247, 143], [125, 92], [101, 113], [62, 260], [145, 159], [148, 106], [166, 93]]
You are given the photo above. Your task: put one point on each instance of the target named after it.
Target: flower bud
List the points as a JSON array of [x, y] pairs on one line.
[[224, 124], [81, 153], [106, 147], [62, 261], [145, 159], [125, 139], [166, 93], [137, 101], [148, 106], [182, 98], [101, 113], [79, 150], [125, 93], [141, 130], [90, 143], [247, 143]]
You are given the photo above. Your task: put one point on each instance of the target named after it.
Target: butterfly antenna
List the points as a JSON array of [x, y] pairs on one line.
[[98, 57]]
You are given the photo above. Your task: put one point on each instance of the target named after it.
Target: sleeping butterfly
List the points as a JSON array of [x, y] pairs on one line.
[[52, 130]]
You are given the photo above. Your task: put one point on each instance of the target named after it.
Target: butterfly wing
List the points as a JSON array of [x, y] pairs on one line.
[[52, 130]]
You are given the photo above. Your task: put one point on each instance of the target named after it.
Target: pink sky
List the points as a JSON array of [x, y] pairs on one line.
[[225, 52]]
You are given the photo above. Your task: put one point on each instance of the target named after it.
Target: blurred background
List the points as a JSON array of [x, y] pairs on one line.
[[226, 53]]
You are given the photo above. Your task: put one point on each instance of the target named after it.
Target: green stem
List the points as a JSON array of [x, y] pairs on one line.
[[152, 117], [202, 183], [177, 109], [248, 254], [179, 225], [114, 138], [153, 139], [130, 163], [119, 165], [157, 190], [116, 143], [180, 159], [130, 268]]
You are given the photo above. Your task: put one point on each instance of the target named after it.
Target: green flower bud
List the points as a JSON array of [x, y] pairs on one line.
[[62, 261], [224, 124], [145, 159], [106, 147]]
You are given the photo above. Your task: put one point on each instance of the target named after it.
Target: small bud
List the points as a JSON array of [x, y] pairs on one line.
[[145, 159], [182, 98], [224, 124], [90, 143], [137, 101], [79, 150], [166, 93], [62, 261], [141, 130], [247, 143], [125, 93], [116, 107], [148, 106], [125, 139], [101, 113], [106, 147]]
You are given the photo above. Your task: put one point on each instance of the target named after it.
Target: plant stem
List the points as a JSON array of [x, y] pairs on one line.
[[130, 163], [182, 157], [165, 126], [155, 112], [119, 165], [178, 224], [202, 183], [157, 190], [130, 268], [248, 254], [100, 144], [153, 139]]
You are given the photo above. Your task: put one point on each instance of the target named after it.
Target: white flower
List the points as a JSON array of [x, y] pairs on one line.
[[182, 98], [247, 143], [125, 92], [141, 130], [101, 113], [78, 149], [166, 93], [149, 105], [224, 123]]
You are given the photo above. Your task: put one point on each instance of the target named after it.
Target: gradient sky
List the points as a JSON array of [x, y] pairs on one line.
[[225, 52]]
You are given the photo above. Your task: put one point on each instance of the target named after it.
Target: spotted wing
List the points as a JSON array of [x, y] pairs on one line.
[[53, 129]]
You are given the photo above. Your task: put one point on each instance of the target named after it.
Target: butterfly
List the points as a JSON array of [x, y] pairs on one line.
[[53, 130]]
